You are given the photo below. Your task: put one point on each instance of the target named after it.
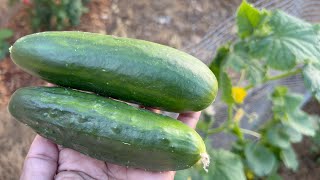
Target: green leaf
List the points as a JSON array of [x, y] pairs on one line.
[[292, 41], [240, 61], [226, 88], [302, 123], [4, 49], [274, 177], [311, 76], [260, 159], [192, 173], [5, 34], [225, 166], [280, 91], [282, 135], [248, 18], [289, 158], [286, 107], [219, 60], [294, 136], [284, 103], [277, 137]]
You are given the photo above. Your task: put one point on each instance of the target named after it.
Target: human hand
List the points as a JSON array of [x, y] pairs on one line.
[[47, 160]]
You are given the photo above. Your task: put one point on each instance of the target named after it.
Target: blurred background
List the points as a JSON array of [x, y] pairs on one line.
[[179, 23]]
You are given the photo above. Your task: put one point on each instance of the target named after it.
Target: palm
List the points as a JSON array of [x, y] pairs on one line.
[[73, 164], [46, 160]]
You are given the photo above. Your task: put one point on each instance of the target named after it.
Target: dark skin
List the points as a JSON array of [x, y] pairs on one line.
[[47, 160]]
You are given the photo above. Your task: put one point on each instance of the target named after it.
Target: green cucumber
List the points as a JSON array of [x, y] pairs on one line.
[[132, 70], [108, 130]]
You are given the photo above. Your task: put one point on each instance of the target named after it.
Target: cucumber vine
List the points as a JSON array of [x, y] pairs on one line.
[[268, 41]]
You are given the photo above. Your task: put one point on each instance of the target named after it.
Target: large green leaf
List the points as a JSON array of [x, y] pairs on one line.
[[248, 18], [311, 76], [302, 123], [240, 61], [289, 158], [260, 159], [277, 137], [224, 166], [282, 135], [292, 41]]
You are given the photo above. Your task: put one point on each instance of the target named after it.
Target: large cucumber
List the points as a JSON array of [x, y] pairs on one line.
[[128, 69], [108, 130]]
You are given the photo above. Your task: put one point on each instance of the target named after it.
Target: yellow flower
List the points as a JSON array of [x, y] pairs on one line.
[[250, 175], [239, 94]]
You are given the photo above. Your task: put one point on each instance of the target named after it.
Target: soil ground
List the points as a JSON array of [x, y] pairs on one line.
[[175, 23]]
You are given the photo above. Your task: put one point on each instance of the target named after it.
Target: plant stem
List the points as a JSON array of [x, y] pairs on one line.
[[217, 130], [230, 114], [273, 78], [284, 75], [252, 133], [224, 125]]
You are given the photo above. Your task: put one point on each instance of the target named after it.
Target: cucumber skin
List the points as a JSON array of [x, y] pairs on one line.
[[106, 129], [132, 70]]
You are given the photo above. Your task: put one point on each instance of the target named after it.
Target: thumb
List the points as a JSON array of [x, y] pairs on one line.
[[41, 161]]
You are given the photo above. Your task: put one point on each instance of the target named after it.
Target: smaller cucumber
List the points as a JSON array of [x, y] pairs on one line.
[[108, 130]]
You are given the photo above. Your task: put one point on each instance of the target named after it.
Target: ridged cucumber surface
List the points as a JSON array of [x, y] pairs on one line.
[[132, 70], [108, 130]]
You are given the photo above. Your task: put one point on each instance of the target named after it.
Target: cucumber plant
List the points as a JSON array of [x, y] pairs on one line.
[[266, 41], [54, 15]]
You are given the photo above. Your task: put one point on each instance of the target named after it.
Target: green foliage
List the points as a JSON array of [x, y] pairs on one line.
[[226, 88], [4, 46], [289, 158], [259, 159], [248, 19], [56, 15], [268, 41], [311, 74], [225, 166], [290, 42], [286, 108]]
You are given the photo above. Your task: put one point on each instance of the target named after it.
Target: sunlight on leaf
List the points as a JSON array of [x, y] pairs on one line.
[[248, 18], [291, 42]]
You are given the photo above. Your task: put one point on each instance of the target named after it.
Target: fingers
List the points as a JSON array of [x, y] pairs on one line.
[[150, 109], [41, 161], [190, 118]]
